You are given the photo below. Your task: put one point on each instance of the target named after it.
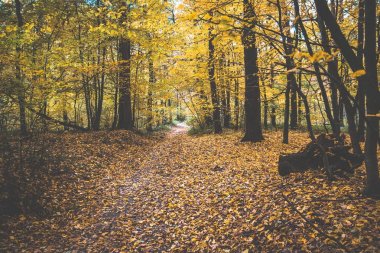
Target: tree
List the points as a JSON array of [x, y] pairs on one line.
[[373, 102], [125, 102], [152, 80], [21, 90], [125, 107], [369, 78], [214, 93], [253, 131]]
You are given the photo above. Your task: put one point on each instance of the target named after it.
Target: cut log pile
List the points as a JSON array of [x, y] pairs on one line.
[[325, 152]]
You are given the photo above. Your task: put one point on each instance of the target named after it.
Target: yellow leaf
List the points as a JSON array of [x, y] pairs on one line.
[[358, 73]]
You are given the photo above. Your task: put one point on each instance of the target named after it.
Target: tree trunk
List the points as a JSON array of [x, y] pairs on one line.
[[336, 81], [227, 111], [100, 92], [152, 80], [293, 111], [65, 118], [291, 84], [21, 92], [236, 104], [115, 105], [273, 117], [299, 100], [253, 131], [125, 105], [360, 93], [285, 135], [207, 118], [333, 69], [273, 106], [370, 80], [227, 115], [265, 104], [373, 102], [214, 91], [334, 126]]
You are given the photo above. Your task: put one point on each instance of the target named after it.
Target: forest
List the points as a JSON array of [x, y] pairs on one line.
[[189, 126]]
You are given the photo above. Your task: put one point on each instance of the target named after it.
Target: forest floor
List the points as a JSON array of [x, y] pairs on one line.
[[172, 192]]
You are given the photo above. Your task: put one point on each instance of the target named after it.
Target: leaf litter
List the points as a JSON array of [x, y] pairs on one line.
[[210, 193]]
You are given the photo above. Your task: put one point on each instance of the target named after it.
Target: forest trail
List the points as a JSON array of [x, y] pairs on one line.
[[177, 192], [75, 75], [142, 176], [180, 128], [190, 194], [153, 158]]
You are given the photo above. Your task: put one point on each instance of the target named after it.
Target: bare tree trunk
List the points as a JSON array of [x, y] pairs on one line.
[[21, 92], [373, 102], [152, 80], [336, 83], [273, 106], [227, 111], [334, 126], [236, 104], [299, 100], [125, 105], [294, 109], [115, 106], [370, 79], [265, 104], [332, 68], [253, 131], [207, 118], [290, 78], [100, 91], [236, 97], [360, 96], [285, 135], [214, 91]]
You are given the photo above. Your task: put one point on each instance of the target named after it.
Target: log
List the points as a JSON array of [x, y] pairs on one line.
[[327, 152]]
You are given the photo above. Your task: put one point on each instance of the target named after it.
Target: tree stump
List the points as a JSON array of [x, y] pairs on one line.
[[326, 152]]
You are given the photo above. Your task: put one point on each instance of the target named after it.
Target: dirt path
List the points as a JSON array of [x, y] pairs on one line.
[[180, 128], [147, 179], [137, 182], [143, 174]]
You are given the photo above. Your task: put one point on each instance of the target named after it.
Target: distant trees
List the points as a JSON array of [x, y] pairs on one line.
[[127, 65], [94, 65], [83, 64]]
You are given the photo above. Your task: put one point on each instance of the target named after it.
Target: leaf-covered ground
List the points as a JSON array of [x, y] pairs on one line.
[[180, 193]]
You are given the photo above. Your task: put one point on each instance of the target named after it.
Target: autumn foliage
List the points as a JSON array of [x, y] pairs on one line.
[[123, 192], [189, 125]]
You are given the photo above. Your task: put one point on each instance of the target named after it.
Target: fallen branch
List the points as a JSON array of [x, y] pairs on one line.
[[46, 117], [66, 124]]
